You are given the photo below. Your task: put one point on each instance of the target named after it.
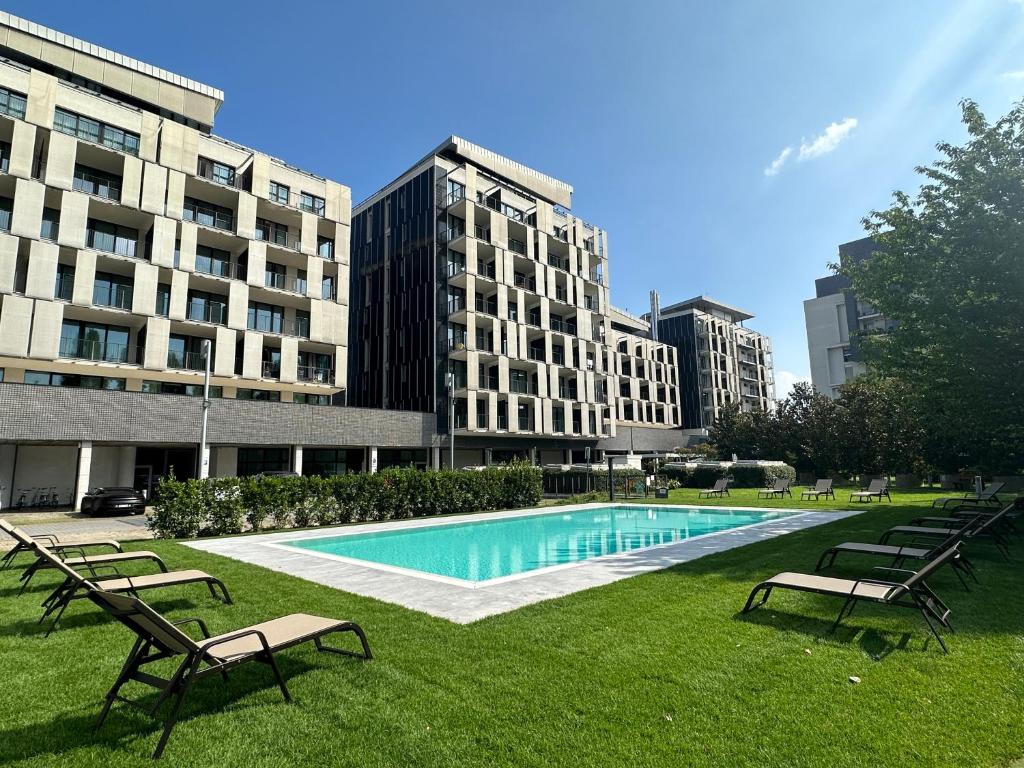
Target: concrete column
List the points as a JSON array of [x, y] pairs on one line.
[[372, 459], [126, 466], [435, 458], [297, 459], [84, 469], [533, 455]]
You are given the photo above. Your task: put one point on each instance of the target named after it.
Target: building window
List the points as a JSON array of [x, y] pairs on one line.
[[315, 367], [302, 323], [558, 419], [208, 214], [266, 395], [112, 238], [312, 204], [92, 181], [306, 399], [279, 193], [6, 207], [5, 156], [12, 104], [267, 318], [275, 275], [65, 287], [327, 461], [253, 461], [112, 291], [213, 261], [175, 388], [51, 224], [207, 307], [95, 131], [325, 247], [46, 379], [95, 341], [271, 232], [163, 300], [301, 282], [327, 290], [186, 353], [216, 172]]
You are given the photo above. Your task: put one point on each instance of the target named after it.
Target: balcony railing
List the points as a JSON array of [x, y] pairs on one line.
[[517, 246], [522, 387], [316, 374], [486, 270], [99, 351], [535, 354], [281, 327], [186, 361], [208, 313], [455, 269], [529, 283], [271, 370], [218, 268], [488, 307], [488, 382], [223, 175], [207, 216], [99, 186], [525, 424], [597, 276], [64, 289], [454, 233], [278, 235], [285, 283], [481, 233], [456, 304]]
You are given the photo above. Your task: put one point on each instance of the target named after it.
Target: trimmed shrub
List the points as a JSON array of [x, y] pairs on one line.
[[228, 505], [743, 476]]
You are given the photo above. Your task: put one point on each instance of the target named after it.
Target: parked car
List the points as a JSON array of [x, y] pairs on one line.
[[113, 501]]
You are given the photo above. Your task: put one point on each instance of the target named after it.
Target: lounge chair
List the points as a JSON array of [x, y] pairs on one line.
[[53, 542], [83, 559], [876, 489], [900, 554], [992, 526], [721, 489], [987, 495], [75, 585], [821, 488], [158, 639], [913, 592], [780, 489]]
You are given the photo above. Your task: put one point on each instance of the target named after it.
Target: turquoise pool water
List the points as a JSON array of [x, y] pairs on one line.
[[491, 549]]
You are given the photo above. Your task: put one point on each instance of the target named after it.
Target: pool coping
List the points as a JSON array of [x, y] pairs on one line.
[[462, 601]]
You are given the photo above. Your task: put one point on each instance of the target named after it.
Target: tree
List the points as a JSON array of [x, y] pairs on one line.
[[950, 273]]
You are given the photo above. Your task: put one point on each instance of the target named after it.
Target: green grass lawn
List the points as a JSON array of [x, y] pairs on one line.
[[656, 670]]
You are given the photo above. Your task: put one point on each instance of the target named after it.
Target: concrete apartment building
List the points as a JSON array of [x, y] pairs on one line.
[[647, 374], [721, 361], [834, 319], [469, 271], [129, 236]]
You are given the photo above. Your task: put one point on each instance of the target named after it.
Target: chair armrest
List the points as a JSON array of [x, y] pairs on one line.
[[194, 620], [65, 550], [894, 570], [53, 540], [205, 647], [94, 570]]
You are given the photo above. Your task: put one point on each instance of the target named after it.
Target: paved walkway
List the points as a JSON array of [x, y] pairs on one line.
[[465, 602], [70, 527]]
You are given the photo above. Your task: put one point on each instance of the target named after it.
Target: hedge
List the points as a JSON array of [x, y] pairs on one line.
[[743, 476], [217, 506]]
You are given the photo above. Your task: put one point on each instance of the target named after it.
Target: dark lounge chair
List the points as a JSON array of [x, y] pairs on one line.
[[992, 526], [780, 489], [53, 542], [76, 586], [987, 495], [912, 593], [898, 555], [158, 639], [876, 489], [721, 488], [821, 488]]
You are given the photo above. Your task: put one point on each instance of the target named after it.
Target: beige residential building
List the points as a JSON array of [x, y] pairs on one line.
[[519, 316], [646, 392], [131, 235]]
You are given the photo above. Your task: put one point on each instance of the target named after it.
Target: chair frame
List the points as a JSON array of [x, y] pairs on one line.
[[828, 493]]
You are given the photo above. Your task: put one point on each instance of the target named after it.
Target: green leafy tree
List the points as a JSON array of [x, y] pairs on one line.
[[950, 273]]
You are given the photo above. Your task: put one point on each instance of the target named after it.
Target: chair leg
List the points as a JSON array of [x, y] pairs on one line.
[[277, 674], [358, 632], [127, 670], [845, 611], [934, 630], [820, 566], [172, 717], [764, 598]]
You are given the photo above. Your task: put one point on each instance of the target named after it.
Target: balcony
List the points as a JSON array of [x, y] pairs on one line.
[[208, 215], [106, 187], [284, 282], [208, 313], [522, 387], [481, 233], [277, 234], [535, 354], [488, 382], [517, 246], [486, 270], [12, 104], [529, 283], [596, 276], [186, 361], [315, 374], [98, 351], [218, 173]]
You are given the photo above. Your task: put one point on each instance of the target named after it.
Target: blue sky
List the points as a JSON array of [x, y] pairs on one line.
[[666, 117]]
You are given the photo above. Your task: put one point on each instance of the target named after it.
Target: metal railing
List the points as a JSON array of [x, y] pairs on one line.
[[522, 281], [218, 268], [285, 283], [486, 270], [456, 304], [208, 313], [205, 170], [277, 234], [270, 370], [454, 269], [186, 361], [488, 382], [481, 233], [316, 374], [85, 349], [517, 246], [99, 186], [208, 217], [522, 387], [533, 353]]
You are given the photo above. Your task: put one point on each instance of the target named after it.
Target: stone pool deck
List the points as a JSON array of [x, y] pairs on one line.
[[466, 602]]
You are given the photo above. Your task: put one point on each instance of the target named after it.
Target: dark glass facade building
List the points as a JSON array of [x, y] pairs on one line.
[[679, 332]]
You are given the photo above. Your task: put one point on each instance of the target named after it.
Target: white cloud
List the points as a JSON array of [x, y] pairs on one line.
[[785, 381], [1017, 74], [827, 141], [778, 162], [820, 145]]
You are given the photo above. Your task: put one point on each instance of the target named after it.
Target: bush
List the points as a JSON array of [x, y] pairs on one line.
[[231, 504], [743, 476]]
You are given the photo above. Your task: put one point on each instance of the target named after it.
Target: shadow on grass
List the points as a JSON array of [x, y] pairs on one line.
[[75, 729], [874, 642], [81, 614]]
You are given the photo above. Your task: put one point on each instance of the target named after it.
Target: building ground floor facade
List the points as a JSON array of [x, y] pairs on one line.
[[62, 442]]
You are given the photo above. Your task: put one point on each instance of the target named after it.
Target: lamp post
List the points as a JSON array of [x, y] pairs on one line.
[[204, 459], [451, 419]]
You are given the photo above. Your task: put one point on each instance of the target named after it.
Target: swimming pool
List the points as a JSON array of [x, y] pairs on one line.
[[486, 550]]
